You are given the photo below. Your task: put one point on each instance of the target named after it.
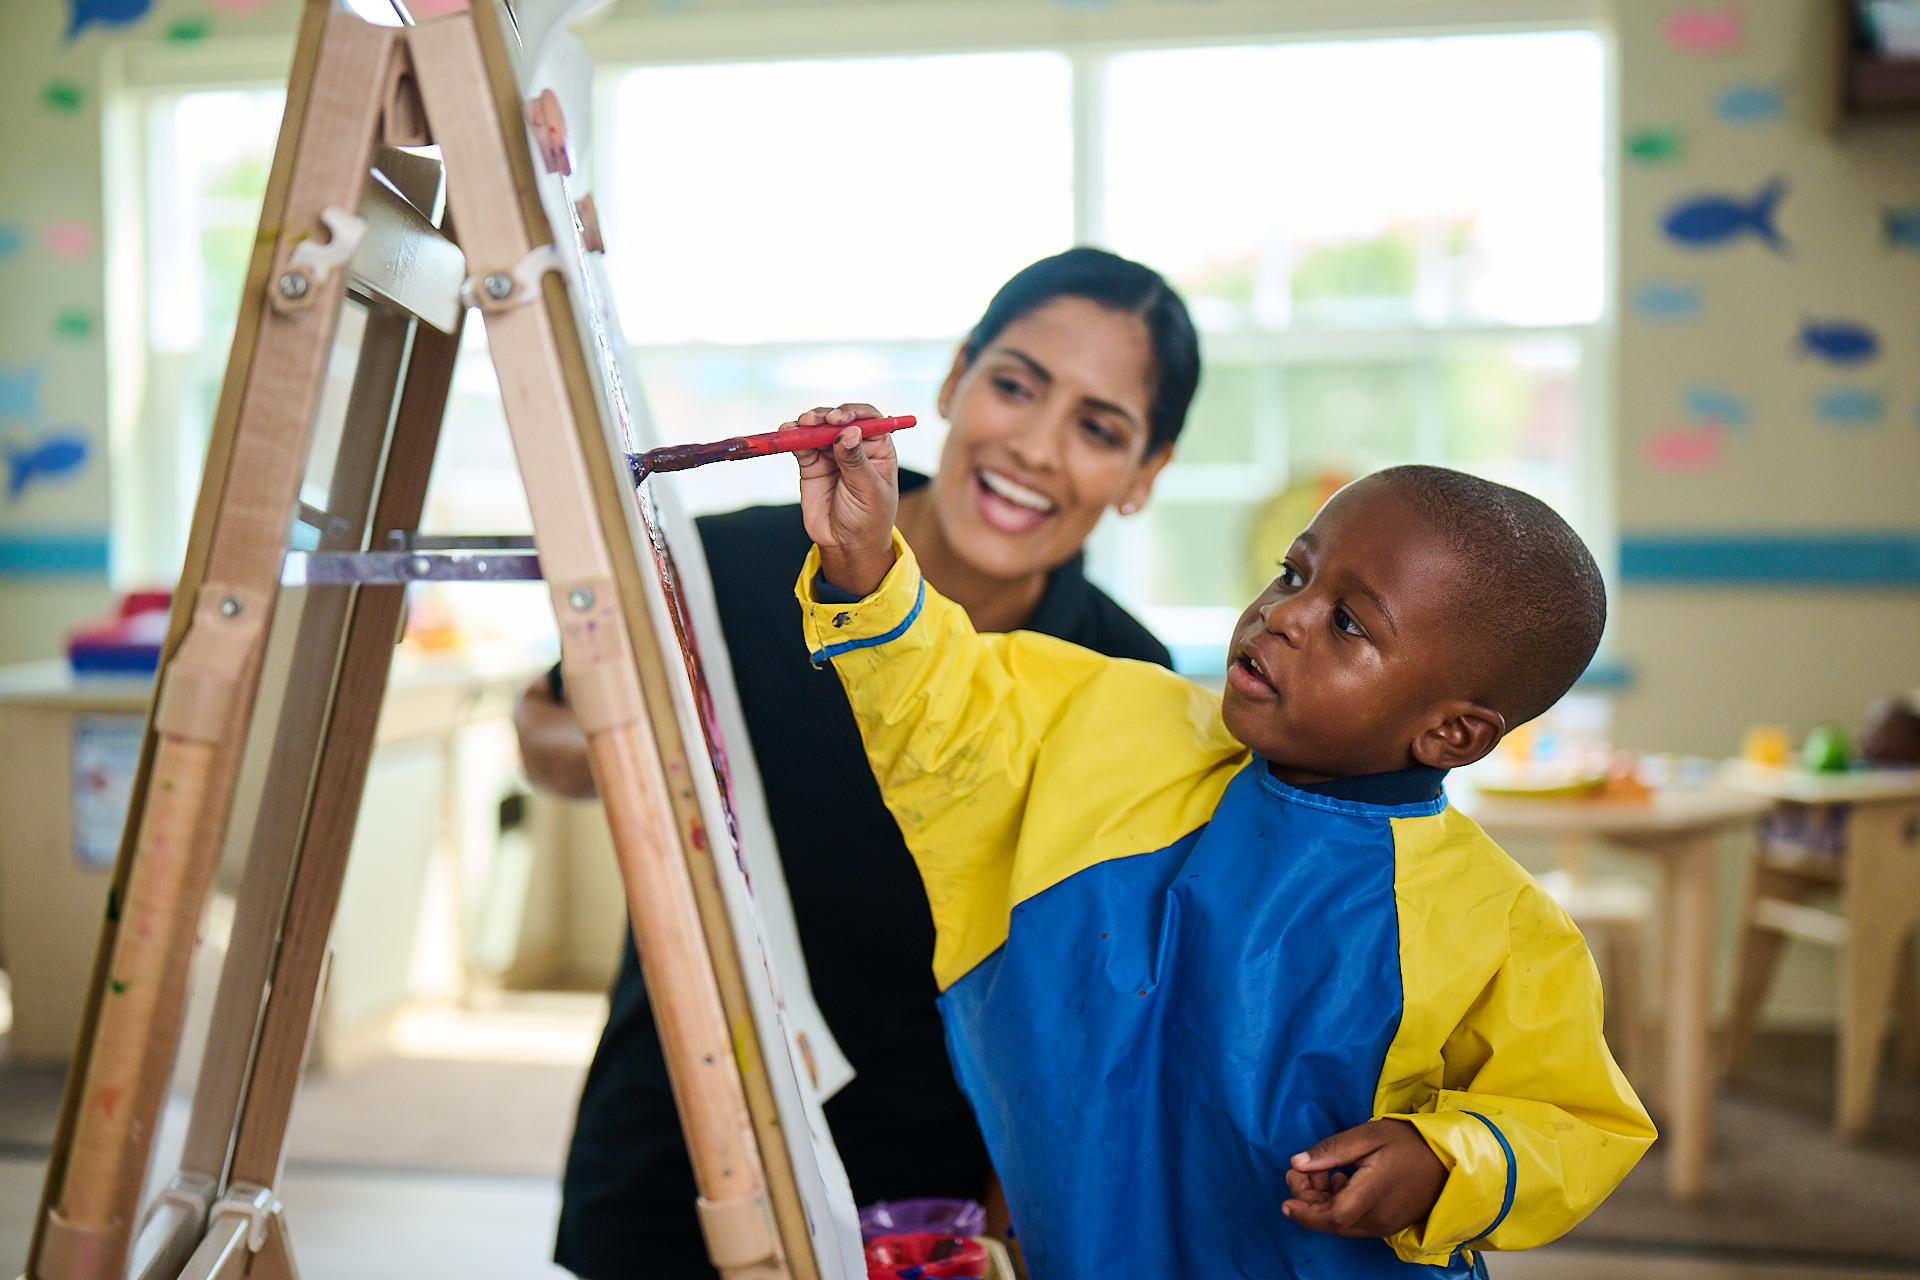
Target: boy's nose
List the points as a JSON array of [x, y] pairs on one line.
[[1284, 618]]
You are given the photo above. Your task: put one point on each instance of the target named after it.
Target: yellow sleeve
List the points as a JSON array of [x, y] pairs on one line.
[[1533, 1120], [959, 726]]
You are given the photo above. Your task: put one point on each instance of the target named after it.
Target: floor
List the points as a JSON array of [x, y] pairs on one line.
[[422, 1166]]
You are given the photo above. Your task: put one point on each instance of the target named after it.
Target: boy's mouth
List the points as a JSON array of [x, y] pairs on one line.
[[1009, 506], [1248, 678]]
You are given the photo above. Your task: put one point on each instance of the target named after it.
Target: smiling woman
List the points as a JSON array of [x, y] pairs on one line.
[[1063, 402]]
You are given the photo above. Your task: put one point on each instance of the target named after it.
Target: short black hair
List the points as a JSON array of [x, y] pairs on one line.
[[1119, 284], [1538, 603]]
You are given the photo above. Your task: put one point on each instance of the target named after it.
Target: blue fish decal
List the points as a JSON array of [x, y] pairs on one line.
[[82, 14], [20, 391], [47, 458], [11, 238], [1667, 301], [1708, 403], [1705, 222], [1849, 406], [1839, 341], [1751, 104], [1901, 227]]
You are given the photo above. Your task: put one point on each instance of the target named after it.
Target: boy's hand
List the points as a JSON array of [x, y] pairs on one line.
[[1395, 1182], [848, 496]]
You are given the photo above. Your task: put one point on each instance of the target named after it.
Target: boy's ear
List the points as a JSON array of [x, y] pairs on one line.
[[952, 384], [1463, 733]]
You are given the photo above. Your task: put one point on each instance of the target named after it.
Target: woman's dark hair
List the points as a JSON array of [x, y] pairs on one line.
[[1121, 285]]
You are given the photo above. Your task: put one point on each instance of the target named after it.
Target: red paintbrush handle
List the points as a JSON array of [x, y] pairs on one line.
[[679, 457]]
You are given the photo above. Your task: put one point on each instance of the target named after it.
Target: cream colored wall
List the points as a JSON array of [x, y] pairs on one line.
[[1710, 661]]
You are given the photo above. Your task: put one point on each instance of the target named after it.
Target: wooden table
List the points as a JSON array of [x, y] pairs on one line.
[[1679, 827], [1880, 893]]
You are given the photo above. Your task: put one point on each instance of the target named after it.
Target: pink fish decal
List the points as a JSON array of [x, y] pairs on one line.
[[1685, 449], [1702, 30]]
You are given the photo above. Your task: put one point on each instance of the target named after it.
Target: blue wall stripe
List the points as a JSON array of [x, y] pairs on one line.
[[53, 555], [1774, 560]]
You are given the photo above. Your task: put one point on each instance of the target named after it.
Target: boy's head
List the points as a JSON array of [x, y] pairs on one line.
[[1421, 615]]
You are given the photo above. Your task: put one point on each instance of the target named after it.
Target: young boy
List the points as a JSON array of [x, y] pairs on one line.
[[1231, 988]]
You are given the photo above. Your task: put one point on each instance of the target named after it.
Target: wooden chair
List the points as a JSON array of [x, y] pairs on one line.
[[1869, 852]]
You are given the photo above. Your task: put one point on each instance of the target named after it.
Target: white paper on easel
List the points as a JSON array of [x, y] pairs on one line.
[[803, 1063]]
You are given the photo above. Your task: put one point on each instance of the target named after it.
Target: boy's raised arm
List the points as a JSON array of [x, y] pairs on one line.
[[956, 724]]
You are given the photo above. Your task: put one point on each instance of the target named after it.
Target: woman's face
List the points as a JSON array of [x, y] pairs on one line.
[[1048, 428]]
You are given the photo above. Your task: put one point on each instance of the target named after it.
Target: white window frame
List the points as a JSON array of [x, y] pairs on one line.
[[144, 440]]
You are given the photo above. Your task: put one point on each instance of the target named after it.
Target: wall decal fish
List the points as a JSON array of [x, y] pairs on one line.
[[1751, 104], [1709, 403], [1849, 406], [1655, 146], [48, 458], [1901, 227], [1839, 341], [1698, 29], [1709, 221], [20, 391], [1686, 448], [1667, 301]]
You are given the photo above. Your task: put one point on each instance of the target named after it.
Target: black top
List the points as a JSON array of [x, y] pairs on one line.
[[1411, 785], [902, 1127]]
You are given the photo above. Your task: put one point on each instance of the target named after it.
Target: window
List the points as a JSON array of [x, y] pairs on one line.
[[1393, 248]]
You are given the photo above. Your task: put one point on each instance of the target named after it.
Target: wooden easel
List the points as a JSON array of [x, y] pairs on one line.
[[347, 225]]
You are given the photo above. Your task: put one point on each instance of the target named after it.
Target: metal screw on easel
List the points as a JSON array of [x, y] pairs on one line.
[[419, 566], [498, 286], [581, 599], [230, 607], [293, 286]]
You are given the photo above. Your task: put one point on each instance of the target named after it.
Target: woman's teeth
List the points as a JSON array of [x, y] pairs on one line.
[[1018, 494]]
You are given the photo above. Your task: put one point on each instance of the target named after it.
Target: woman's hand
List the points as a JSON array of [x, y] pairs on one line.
[[1395, 1181], [849, 494]]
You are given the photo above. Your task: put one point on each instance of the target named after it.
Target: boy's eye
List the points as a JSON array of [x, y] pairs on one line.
[[1344, 621], [1289, 576]]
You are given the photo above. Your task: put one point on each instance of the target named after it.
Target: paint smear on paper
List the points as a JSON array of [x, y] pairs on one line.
[[20, 391], [1701, 30], [82, 14], [73, 325], [12, 236], [1751, 104], [1842, 342], [1710, 403], [68, 241], [1655, 146], [63, 97], [1680, 450], [1667, 301], [1710, 221], [436, 8], [190, 30], [1850, 406], [52, 456]]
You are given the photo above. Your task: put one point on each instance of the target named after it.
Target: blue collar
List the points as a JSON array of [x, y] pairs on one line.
[[1408, 792]]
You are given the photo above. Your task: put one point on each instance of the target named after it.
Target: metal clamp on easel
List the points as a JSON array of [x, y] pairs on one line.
[[505, 290]]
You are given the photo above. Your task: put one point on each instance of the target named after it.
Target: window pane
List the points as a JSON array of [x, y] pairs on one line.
[[871, 198], [1374, 182]]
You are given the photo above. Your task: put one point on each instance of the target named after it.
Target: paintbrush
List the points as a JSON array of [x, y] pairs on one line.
[[679, 457]]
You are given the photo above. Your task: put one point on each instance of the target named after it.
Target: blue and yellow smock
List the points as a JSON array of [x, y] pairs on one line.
[[1164, 972]]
